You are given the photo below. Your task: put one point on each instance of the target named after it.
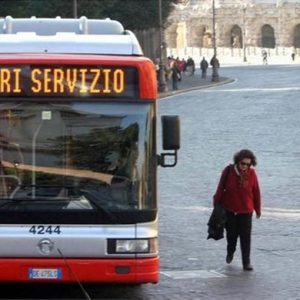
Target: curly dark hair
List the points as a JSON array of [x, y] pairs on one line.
[[245, 153]]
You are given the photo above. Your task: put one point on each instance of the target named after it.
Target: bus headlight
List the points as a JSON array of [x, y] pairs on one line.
[[131, 246]]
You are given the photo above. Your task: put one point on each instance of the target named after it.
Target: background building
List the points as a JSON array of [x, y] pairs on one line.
[[239, 24]]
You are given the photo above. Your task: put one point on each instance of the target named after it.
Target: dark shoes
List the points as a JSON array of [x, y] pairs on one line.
[[229, 258], [248, 267]]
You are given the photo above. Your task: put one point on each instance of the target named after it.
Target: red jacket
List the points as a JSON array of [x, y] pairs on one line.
[[239, 198]]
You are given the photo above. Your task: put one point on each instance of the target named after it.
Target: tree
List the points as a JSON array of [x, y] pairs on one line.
[[38, 8], [133, 14]]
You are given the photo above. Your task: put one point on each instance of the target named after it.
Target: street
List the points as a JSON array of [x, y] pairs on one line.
[[260, 110]]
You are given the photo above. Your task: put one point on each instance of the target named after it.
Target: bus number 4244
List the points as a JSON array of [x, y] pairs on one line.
[[40, 229]]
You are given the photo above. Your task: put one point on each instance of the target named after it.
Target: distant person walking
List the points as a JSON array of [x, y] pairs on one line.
[[214, 62], [265, 57], [190, 66], [240, 197], [203, 67], [175, 75], [293, 56]]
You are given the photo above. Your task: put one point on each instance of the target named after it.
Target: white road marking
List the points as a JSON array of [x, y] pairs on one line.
[[237, 90], [204, 274]]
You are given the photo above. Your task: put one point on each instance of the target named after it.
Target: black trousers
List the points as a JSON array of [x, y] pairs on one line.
[[239, 225]]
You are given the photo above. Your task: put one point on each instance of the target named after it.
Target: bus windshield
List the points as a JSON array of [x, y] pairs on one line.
[[76, 156]]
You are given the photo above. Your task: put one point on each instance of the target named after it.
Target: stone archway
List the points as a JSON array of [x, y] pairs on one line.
[[171, 36], [296, 42], [267, 37], [181, 41], [236, 37], [206, 37], [199, 36]]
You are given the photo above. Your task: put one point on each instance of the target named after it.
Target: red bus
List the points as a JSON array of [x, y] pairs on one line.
[[78, 153]]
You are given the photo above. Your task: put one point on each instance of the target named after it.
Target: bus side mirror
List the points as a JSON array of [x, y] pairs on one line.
[[170, 139]]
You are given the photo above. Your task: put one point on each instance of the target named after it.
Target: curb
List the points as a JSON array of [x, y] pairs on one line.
[[193, 88]]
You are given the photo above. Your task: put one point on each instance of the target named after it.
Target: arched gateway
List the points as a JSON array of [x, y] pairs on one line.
[[268, 38]]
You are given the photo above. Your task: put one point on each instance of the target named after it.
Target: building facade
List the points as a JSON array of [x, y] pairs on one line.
[[237, 24]]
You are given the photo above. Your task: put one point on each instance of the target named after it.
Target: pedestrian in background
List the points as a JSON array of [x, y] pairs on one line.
[[265, 57], [203, 67], [293, 56], [214, 62], [175, 75], [240, 197], [190, 66]]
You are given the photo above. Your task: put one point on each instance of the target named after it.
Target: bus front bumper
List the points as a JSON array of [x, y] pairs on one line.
[[139, 270]]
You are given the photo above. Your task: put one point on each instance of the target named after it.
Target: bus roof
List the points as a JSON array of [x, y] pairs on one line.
[[58, 35]]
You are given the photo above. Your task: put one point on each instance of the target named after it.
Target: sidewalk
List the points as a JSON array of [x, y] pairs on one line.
[[193, 82]]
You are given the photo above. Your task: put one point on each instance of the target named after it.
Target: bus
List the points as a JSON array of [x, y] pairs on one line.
[[78, 153]]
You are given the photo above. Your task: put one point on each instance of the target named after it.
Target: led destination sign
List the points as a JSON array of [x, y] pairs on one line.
[[68, 81]]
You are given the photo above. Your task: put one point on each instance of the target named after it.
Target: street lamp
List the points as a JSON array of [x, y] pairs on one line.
[[214, 61], [75, 9], [162, 84], [244, 33], [214, 27]]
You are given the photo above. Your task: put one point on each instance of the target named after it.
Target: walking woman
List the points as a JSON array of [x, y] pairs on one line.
[[240, 196]]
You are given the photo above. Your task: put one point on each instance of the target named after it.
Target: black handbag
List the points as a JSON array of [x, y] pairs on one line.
[[217, 220], [216, 223]]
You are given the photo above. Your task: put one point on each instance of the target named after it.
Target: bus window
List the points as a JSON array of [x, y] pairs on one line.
[[80, 155]]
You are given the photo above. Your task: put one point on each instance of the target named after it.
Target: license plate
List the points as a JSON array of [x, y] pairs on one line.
[[44, 273]]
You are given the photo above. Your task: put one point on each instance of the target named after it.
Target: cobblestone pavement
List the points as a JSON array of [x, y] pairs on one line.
[[260, 111]]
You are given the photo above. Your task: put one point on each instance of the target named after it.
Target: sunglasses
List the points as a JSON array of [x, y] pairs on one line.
[[245, 164]]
